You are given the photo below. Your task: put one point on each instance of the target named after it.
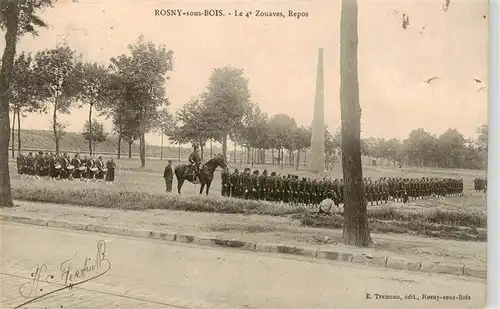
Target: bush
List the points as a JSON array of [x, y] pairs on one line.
[[417, 226], [130, 200]]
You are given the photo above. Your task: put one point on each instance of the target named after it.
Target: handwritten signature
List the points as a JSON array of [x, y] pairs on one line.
[[69, 275]]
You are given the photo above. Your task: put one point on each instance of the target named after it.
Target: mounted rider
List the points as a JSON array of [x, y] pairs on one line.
[[195, 161]]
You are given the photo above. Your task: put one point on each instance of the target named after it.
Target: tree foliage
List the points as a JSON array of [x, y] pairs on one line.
[[94, 132], [228, 98], [57, 81], [143, 74]]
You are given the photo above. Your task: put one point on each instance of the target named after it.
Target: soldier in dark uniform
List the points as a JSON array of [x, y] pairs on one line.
[[278, 184], [111, 166], [302, 191], [168, 175], [51, 159], [255, 185], [263, 186], [76, 162], [286, 189], [21, 163], [246, 180], [195, 161], [100, 166], [225, 183], [90, 164], [235, 184]]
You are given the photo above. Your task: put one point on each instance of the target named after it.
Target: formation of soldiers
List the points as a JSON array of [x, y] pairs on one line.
[[480, 184], [291, 189], [57, 166]]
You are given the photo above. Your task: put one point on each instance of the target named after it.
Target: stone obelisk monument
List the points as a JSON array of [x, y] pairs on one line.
[[317, 158]]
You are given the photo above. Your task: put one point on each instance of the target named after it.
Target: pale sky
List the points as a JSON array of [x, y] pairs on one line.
[[279, 57]]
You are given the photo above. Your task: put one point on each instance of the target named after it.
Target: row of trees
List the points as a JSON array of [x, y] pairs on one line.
[[130, 90]]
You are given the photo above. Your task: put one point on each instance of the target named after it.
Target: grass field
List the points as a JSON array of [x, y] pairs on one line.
[[138, 189]]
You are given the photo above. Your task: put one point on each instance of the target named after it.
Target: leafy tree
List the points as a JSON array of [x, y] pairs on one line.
[[92, 90], [165, 124], [451, 146], [356, 231], [17, 17], [127, 125], [193, 126], [282, 126], [94, 133], [302, 139], [144, 73], [23, 97], [482, 143], [482, 137], [114, 105], [228, 97], [57, 81]]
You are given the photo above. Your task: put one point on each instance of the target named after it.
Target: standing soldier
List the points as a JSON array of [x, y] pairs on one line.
[[225, 183], [246, 181], [168, 175], [235, 184], [272, 187], [263, 186], [52, 166], [255, 185], [302, 191], [111, 166], [278, 188], [286, 189], [21, 162], [195, 161], [100, 167]]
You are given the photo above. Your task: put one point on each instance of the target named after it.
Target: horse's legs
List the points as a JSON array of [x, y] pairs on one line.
[[202, 185], [208, 186], [179, 186]]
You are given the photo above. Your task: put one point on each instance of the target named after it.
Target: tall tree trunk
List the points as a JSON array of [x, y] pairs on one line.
[[93, 150], [142, 140], [11, 23], [272, 156], [282, 158], [248, 154], [211, 148], [54, 127], [305, 157], [161, 148], [119, 146], [224, 146], [298, 159], [234, 154], [356, 231], [90, 130], [13, 133], [18, 131], [179, 152], [130, 150], [253, 155], [201, 152]]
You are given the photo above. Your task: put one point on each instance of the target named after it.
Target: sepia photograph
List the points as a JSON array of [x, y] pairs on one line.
[[244, 154]]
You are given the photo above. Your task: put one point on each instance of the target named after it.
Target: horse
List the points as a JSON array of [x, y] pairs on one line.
[[186, 172]]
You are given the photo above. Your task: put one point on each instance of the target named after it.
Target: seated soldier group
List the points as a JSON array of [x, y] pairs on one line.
[[306, 191], [63, 167]]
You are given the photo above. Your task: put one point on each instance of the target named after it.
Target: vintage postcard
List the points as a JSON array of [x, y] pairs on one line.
[[288, 154]]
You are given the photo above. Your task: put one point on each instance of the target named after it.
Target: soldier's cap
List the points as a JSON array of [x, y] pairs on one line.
[[169, 161], [256, 172], [303, 179], [265, 172], [273, 173], [236, 170]]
